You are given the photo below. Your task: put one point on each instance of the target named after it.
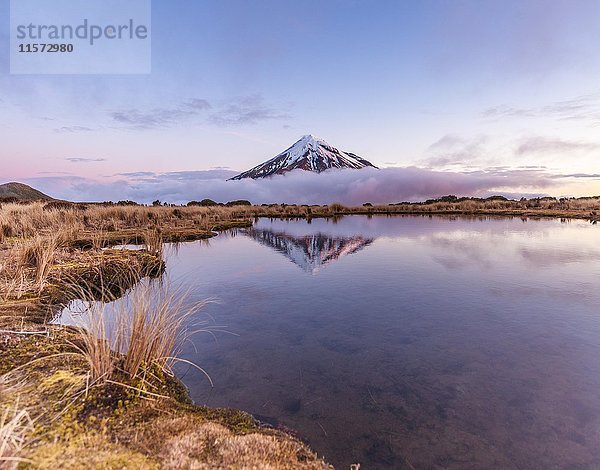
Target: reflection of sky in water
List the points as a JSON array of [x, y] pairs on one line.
[[441, 343]]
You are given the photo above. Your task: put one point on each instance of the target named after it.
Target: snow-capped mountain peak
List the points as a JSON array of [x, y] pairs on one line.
[[309, 153]]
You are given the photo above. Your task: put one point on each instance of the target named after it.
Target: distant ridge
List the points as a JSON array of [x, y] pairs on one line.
[[22, 192], [310, 154]]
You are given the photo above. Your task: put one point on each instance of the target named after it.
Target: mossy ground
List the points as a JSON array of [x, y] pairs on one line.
[[118, 425]]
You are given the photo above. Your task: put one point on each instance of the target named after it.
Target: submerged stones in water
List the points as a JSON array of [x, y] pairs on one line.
[[292, 405]]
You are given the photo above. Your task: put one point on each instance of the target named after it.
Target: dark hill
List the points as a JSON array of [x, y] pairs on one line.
[[21, 192]]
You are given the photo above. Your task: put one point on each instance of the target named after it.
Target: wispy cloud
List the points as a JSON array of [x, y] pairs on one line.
[[451, 150], [502, 111], [197, 103], [579, 175], [489, 153], [84, 160], [160, 117], [71, 129], [197, 175], [537, 145], [246, 110], [583, 107], [136, 174]]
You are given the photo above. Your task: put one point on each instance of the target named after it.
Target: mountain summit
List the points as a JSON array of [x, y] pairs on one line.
[[310, 154]]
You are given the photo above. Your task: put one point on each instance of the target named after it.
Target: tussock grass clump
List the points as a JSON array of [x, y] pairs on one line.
[[15, 423], [96, 349], [336, 207], [153, 240], [136, 334], [26, 264], [151, 325], [13, 285], [39, 253], [29, 220]]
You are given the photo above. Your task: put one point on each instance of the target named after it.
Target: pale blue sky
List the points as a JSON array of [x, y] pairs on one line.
[[458, 85]]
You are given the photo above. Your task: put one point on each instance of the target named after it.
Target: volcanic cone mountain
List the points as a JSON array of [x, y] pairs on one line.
[[310, 154]]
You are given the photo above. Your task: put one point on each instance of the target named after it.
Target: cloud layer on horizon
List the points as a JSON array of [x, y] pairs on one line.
[[386, 185]]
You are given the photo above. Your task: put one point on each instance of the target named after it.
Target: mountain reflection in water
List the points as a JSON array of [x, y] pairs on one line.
[[310, 252]]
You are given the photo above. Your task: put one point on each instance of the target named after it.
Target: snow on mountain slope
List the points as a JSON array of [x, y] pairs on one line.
[[310, 154]]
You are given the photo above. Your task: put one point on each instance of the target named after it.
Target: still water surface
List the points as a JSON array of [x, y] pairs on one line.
[[407, 342]]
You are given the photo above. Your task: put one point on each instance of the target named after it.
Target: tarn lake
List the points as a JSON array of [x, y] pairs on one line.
[[405, 342]]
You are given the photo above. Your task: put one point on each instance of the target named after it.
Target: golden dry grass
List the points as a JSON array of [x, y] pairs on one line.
[[153, 240], [15, 424], [28, 220], [152, 224], [144, 331], [38, 253]]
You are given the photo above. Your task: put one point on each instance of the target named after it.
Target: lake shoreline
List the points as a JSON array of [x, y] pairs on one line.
[[40, 365], [114, 413]]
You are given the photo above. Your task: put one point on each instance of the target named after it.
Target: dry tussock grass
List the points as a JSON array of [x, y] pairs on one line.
[[38, 218], [15, 423], [586, 206], [153, 241], [96, 222], [142, 332], [38, 253], [26, 263]]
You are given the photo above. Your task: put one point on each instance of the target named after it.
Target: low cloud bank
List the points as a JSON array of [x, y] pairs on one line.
[[386, 185]]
